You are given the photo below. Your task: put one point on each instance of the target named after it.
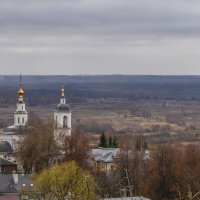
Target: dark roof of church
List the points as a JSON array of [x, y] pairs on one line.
[[5, 147], [15, 130], [63, 107], [12, 129]]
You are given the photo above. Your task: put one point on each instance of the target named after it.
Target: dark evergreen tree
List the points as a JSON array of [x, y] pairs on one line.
[[115, 143], [103, 141], [110, 142]]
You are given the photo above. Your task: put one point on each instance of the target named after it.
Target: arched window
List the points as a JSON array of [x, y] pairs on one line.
[[18, 120], [65, 121], [23, 120]]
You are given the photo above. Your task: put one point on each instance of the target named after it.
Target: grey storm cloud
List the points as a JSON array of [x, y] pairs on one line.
[[102, 16], [99, 36]]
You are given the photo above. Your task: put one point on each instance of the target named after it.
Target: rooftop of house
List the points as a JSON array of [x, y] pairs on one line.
[[105, 155], [14, 183]]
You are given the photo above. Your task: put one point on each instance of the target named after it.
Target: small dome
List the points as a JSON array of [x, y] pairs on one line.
[[5, 147], [20, 92], [63, 107]]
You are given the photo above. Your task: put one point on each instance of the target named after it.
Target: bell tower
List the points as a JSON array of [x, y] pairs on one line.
[[62, 116], [20, 115]]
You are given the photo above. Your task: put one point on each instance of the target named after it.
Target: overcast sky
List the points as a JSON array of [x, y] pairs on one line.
[[100, 37]]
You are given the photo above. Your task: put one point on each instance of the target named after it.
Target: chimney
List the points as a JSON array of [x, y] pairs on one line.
[[15, 177]]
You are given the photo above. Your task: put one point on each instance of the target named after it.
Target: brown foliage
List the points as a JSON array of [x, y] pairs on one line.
[[162, 178], [38, 148], [171, 172], [76, 148]]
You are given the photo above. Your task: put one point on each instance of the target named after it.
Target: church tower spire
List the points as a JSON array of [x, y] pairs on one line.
[[20, 115], [62, 99], [63, 91]]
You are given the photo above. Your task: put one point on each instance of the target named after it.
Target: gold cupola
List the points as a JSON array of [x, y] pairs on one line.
[[20, 91]]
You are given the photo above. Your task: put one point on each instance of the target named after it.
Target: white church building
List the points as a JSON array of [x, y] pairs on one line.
[[62, 116], [62, 119], [12, 135]]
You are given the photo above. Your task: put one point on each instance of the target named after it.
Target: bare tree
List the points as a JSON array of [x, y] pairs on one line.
[[38, 148], [77, 148], [162, 177]]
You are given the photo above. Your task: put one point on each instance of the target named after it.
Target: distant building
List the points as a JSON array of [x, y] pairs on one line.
[[12, 135], [104, 158], [62, 118]]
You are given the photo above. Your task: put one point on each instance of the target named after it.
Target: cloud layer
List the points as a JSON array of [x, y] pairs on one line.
[[99, 36]]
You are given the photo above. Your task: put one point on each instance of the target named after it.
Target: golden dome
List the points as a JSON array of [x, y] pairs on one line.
[[20, 92]]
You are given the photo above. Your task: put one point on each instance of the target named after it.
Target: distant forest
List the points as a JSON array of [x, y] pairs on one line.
[[41, 90]]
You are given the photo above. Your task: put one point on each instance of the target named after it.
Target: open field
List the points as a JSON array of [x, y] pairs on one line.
[[157, 122], [159, 108]]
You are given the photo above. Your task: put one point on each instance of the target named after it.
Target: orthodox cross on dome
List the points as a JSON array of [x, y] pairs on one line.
[[63, 91], [62, 99]]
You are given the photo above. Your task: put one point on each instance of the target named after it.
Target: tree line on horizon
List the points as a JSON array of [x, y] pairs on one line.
[[45, 92]]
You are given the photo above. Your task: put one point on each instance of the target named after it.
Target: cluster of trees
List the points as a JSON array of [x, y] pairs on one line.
[[145, 87], [110, 143], [39, 148], [163, 172], [168, 171], [71, 178], [64, 181]]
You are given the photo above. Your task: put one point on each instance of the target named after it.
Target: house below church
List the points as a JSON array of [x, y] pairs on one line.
[[104, 158]]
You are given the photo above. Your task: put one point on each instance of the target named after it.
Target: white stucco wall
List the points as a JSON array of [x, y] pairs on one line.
[[20, 119], [58, 118], [20, 115]]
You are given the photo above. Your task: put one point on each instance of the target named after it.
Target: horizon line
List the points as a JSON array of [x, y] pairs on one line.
[[101, 74]]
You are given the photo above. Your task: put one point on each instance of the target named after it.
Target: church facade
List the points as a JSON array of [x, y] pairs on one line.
[[13, 135], [62, 116], [62, 119]]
